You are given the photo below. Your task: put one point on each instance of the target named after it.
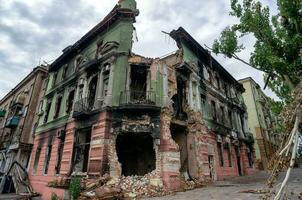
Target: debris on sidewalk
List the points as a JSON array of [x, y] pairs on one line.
[[255, 191], [130, 187]]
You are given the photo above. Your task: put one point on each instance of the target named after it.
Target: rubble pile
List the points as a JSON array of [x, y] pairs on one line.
[[138, 186], [125, 187]]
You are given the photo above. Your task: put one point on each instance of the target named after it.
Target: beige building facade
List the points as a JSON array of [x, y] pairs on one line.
[[262, 122], [18, 115]]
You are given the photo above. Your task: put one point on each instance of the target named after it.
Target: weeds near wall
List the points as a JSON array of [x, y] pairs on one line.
[[75, 187]]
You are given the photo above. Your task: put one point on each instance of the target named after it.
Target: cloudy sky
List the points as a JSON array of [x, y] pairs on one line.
[[34, 31]]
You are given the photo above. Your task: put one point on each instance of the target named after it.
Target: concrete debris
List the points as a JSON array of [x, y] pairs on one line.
[[126, 187], [108, 192]]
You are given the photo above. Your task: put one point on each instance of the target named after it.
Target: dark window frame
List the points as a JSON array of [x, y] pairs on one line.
[[58, 107], [220, 154], [47, 155]]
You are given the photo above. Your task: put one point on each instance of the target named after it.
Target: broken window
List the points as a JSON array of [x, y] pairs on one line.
[[213, 110], [64, 73], [220, 154], [92, 92], [82, 147], [79, 60], [194, 95], [222, 120], [37, 157], [230, 154], [105, 83], [217, 82], [48, 106], [48, 154], [81, 90], [61, 137], [54, 79], [250, 156], [179, 135], [138, 83], [230, 118], [135, 153], [69, 102], [201, 70], [179, 98], [58, 107], [226, 89], [210, 76], [203, 106], [243, 124]]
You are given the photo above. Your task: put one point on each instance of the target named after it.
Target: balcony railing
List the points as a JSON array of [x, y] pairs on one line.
[[138, 97], [12, 122], [218, 128], [250, 137], [18, 101], [2, 113], [83, 106]]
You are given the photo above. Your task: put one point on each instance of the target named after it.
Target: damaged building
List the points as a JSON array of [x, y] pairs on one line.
[[107, 110]]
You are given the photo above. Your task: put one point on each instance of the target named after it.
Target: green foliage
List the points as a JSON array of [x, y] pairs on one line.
[[75, 187], [228, 43], [276, 106], [278, 41], [54, 196]]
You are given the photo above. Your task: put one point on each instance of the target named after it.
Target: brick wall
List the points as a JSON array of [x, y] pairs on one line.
[[97, 155], [99, 145], [39, 180]]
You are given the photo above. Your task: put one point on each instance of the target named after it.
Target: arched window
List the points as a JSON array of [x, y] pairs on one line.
[[92, 91], [79, 60]]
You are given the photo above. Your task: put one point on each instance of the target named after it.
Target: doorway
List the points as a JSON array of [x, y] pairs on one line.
[[92, 92], [238, 161], [179, 135], [138, 84], [211, 167]]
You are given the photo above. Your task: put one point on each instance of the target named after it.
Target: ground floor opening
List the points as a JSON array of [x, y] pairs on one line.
[[179, 135], [82, 146], [135, 153]]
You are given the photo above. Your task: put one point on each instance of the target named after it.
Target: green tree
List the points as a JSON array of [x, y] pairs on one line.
[[277, 46]]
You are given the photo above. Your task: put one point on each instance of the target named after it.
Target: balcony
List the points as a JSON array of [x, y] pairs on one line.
[[2, 113], [83, 106], [12, 122], [19, 101], [131, 97], [249, 137], [218, 128]]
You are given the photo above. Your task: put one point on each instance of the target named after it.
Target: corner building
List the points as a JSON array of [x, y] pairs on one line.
[[108, 110]]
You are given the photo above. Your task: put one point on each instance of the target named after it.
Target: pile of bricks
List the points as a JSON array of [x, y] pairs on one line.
[[126, 186], [138, 186]]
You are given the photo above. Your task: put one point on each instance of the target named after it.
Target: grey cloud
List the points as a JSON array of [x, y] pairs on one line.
[[61, 23]]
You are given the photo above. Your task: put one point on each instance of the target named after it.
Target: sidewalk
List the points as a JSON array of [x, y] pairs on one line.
[[232, 189]]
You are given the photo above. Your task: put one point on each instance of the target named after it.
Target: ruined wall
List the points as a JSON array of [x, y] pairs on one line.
[[170, 155]]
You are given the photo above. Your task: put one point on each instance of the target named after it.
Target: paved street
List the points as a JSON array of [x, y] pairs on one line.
[[232, 189]]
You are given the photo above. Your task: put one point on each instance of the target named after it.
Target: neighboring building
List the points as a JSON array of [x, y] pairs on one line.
[[107, 110], [262, 122], [18, 115]]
